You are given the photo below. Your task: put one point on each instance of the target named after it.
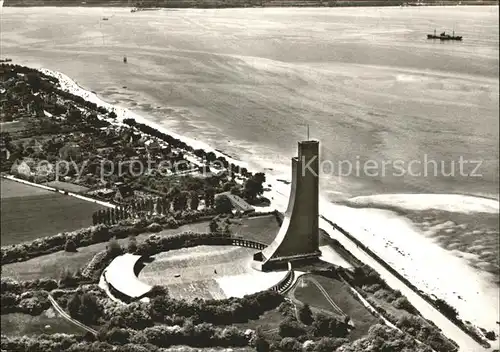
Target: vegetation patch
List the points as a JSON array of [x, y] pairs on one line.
[[308, 292], [16, 324], [54, 265], [260, 228]]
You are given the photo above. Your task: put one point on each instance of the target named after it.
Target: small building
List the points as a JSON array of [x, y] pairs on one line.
[[106, 193], [123, 192], [238, 203]]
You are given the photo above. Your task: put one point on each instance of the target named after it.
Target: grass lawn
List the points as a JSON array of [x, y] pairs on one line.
[[13, 189], [12, 126], [24, 324], [30, 212], [340, 293], [51, 265], [262, 228]]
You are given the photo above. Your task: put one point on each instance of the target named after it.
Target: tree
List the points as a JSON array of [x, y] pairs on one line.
[[223, 204], [84, 307], [113, 248], [73, 306], [90, 310], [117, 336], [490, 335], [70, 246], [214, 227], [180, 201], [211, 157], [329, 344], [130, 122], [260, 177], [305, 314], [67, 278], [290, 328], [252, 189], [328, 326], [194, 201], [158, 291], [289, 344], [446, 309], [132, 244], [260, 343], [228, 186], [209, 197], [200, 153], [403, 303], [226, 231], [236, 190], [34, 81], [74, 115]]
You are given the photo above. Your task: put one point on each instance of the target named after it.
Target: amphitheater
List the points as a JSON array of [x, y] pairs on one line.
[[205, 271]]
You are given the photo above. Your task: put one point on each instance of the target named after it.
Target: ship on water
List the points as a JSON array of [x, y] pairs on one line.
[[444, 36]]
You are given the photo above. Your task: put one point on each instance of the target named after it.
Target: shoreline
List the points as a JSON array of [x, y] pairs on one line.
[[278, 195]]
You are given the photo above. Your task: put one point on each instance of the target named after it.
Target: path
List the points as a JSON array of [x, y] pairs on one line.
[[66, 316]]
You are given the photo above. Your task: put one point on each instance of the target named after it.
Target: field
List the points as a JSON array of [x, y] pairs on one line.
[[25, 324], [13, 126], [30, 212], [208, 272], [307, 291], [261, 229], [51, 265]]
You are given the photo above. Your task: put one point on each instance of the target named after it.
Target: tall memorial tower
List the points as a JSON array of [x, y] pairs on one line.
[[298, 237]]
